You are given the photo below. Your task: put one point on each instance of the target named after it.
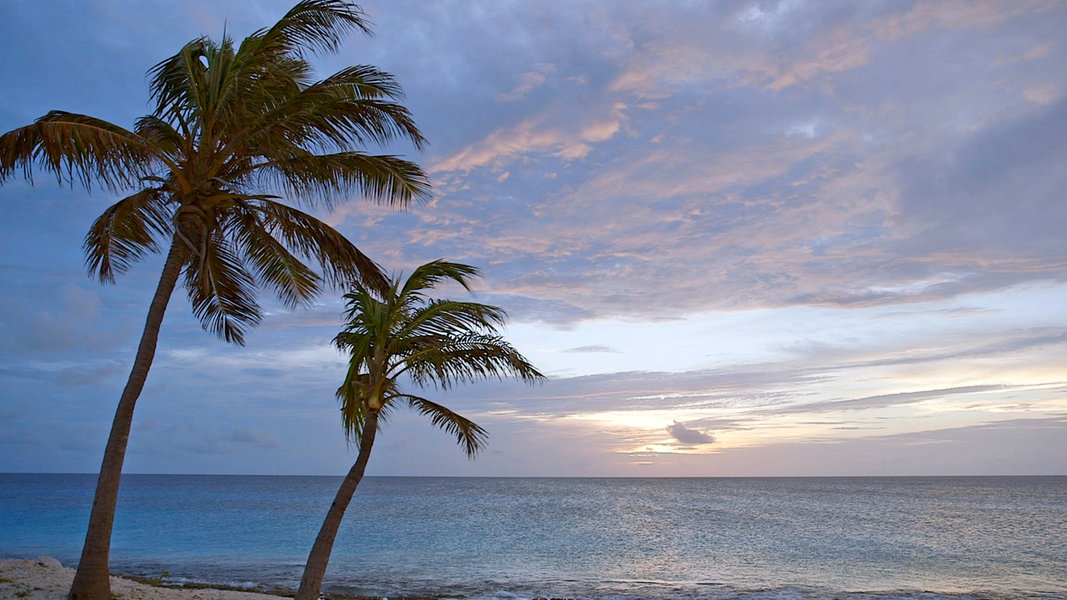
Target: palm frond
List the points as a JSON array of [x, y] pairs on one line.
[[176, 84], [356, 82], [465, 358], [437, 343], [275, 266], [316, 26], [343, 264], [352, 394], [77, 148], [161, 135], [332, 178], [468, 434], [429, 275], [447, 317], [221, 290], [222, 105], [364, 317], [355, 106], [125, 232]]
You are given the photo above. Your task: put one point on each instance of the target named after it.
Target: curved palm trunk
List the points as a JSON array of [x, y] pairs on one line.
[[315, 569], [92, 582]]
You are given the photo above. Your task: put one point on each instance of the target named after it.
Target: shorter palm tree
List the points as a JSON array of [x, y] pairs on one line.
[[405, 333]]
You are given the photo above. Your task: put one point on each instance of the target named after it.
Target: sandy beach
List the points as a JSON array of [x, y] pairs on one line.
[[46, 579]]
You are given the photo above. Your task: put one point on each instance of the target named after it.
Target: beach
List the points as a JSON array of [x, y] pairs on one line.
[[46, 579]]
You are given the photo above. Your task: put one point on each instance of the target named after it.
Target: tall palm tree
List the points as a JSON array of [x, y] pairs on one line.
[[236, 132], [405, 333]]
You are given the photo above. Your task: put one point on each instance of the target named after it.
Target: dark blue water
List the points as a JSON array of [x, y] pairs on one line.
[[613, 539]]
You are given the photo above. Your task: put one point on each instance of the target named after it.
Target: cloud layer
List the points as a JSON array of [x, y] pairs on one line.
[[742, 237]]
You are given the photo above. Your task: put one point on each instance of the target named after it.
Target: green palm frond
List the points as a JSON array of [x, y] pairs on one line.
[[432, 342], [359, 82], [355, 340], [427, 276], [220, 83], [445, 317], [468, 434], [466, 358], [352, 395]]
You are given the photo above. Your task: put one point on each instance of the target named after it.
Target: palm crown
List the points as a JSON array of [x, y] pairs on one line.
[[235, 130], [400, 333], [430, 341]]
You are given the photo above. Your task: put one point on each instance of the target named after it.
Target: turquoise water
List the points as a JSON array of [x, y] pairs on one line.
[[610, 539]]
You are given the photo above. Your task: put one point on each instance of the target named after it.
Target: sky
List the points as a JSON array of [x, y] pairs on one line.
[[741, 238]]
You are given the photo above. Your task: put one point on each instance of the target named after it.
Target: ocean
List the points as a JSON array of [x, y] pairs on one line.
[[599, 539]]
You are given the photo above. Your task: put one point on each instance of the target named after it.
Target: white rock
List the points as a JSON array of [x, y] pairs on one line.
[[49, 562]]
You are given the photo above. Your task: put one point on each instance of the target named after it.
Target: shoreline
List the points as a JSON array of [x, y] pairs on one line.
[[45, 578]]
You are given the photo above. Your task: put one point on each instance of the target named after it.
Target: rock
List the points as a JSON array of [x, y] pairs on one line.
[[49, 562]]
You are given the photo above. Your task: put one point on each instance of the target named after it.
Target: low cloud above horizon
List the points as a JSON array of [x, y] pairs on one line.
[[742, 238]]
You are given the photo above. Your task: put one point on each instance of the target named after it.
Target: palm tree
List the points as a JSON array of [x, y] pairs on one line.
[[405, 333], [235, 133]]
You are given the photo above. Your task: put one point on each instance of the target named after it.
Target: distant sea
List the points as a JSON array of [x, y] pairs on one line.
[[605, 539]]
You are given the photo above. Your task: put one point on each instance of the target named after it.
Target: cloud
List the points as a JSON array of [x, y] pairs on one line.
[[528, 82], [992, 199], [259, 439], [954, 14], [72, 319], [795, 45], [887, 400], [89, 375], [707, 198], [595, 349], [689, 436], [532, 137], [851, 210], [835, 51], [1015, 446]]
